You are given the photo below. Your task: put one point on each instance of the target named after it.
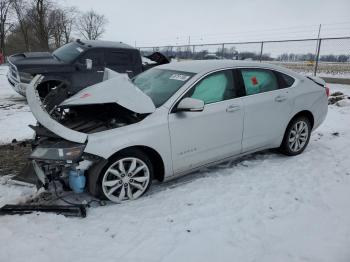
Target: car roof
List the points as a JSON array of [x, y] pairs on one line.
[[203, 66], [104, 44]]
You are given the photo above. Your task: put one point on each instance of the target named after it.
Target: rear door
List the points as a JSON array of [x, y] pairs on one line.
[[267, 107]]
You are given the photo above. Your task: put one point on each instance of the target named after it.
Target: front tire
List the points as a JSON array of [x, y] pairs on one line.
[[297, 136], [126, 177]]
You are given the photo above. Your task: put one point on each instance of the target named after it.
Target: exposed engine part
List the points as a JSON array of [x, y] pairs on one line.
[[95, 118]]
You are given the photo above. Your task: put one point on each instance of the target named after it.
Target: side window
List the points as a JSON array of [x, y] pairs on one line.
[[259, 81], [285, 80], [95, 55], [118, 58], [215, 88]]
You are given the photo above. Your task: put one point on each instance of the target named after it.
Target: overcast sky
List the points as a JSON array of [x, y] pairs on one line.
[[161, 22]]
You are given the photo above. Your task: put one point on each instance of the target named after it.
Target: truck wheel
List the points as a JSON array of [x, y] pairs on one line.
[[127, 176], [296, 137]]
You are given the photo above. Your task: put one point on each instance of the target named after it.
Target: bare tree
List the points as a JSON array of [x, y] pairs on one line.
[[91, 25], [38, 15], [61, 23], [21, 8], [5, 8], [69, 20]]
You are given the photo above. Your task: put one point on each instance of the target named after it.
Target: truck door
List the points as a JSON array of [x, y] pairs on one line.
[[120, 60], [84, 77]]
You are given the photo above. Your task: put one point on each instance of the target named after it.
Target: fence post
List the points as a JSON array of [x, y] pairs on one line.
[[194, 52], [261, 50], [223, 51], [317, 56]]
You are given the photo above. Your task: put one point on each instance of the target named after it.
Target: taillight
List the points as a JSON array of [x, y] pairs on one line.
[[327, 91]]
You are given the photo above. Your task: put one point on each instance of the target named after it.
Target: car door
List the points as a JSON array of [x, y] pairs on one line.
[[85, 77], [215, 133], [267, 105], [120, 60]]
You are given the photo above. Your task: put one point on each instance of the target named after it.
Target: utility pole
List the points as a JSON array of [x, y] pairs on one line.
[[189, 46], [317, 53], [319, 31], [318, 37]]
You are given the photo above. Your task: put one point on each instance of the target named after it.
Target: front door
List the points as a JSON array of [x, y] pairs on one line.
[[84, 77], [199, 138]]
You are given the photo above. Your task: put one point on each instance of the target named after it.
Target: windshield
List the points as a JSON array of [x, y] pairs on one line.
[[68, 52], [160, 84]]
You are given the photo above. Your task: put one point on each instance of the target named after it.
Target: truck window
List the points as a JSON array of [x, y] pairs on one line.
[[95, 55], [118, 58], [68, 52]]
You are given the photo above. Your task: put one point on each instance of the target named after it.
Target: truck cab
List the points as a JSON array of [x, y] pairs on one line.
[[75, 65]]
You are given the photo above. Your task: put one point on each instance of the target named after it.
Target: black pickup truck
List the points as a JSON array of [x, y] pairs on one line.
[[77, 65]]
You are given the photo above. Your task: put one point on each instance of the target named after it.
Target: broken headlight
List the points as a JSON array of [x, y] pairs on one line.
[[62, 151], [25, 77]]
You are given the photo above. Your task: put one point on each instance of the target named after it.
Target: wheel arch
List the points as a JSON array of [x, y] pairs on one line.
[[305, 113], [94, 171], [154, 156]]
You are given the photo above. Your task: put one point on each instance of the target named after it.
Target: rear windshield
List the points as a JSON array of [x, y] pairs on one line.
[[68, 52], [160, 84]]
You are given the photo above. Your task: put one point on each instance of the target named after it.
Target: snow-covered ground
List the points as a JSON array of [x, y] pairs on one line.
[[15, 115], [266, 207]]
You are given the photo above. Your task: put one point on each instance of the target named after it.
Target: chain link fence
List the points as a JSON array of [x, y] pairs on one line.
[[326, 57]]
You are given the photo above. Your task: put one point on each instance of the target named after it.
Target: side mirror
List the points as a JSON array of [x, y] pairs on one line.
[[88, 63], [190, 104]]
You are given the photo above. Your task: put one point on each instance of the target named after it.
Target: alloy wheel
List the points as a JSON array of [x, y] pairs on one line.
[[126, 179], [298, 136]]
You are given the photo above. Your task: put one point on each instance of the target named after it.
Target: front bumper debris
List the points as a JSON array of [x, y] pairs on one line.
[[45, 119], [68, 211], [39, 172]]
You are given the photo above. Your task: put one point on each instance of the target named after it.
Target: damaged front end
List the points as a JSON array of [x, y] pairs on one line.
[[62, 132]]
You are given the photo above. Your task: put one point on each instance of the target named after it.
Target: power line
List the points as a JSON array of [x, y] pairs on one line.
[[307, 29]]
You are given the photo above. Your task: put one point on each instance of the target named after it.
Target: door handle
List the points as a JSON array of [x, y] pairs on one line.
[[129, 71], [232, 108], [280, 98], [100, 71]]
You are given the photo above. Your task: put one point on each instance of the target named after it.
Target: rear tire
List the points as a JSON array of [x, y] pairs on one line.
[[296, 137], [126, 176]]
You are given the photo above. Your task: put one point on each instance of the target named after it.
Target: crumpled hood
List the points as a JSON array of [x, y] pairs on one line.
[[115, 88]]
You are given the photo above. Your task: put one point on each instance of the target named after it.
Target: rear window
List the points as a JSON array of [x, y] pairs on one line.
[[259, 81], [288, 81], [118, 58]]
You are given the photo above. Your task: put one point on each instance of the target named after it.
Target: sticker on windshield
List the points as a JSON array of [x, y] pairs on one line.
[[80, 49], [179, 77]]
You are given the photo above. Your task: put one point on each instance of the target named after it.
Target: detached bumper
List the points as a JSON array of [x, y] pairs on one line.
[[45, 119], [39, 172]]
